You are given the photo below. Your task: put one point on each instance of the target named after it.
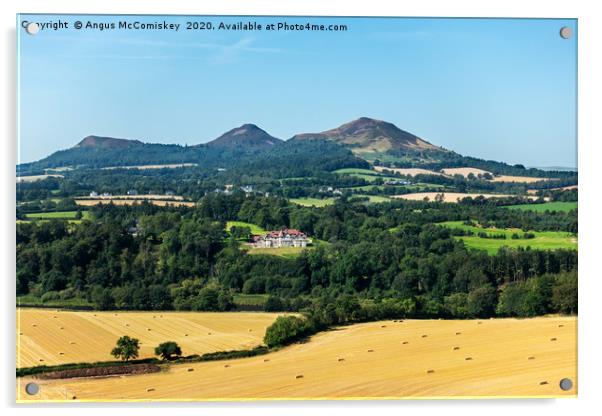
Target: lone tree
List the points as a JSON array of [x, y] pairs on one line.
[[168, 350], [126, 348]]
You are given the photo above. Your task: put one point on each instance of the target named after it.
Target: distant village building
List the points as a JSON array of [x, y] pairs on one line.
[[247, 189], [132, 192], [170, 193], [93, 194], [105, 194], [397, 182], [286, 237]]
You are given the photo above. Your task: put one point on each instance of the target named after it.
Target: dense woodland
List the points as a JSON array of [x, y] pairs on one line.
[[390, 259]]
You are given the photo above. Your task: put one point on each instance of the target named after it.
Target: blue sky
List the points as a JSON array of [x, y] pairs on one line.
[[502, 89]]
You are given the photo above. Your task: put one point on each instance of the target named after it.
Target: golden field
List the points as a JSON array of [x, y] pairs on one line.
[[447, 196], [377, 360], [48, 337], [408, 171]]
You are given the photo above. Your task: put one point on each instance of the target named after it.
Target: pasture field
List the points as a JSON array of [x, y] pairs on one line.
[[66, 215], [313, 202], [544, 240], [376, 199], [349, 171], [287, 252], [255, 229], [49, 336], [376, 360], [546, 206]]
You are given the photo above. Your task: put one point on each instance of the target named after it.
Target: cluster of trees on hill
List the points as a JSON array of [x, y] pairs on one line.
[[287, 159], [182, 258]]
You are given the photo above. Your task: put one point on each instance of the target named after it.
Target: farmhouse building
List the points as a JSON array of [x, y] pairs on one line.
[[286, 237]]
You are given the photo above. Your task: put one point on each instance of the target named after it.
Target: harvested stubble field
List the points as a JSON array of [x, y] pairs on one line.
[[49, 337], [447, 196], [388, 359]]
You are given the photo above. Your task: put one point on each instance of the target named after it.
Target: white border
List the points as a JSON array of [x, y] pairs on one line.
[[590, 135]]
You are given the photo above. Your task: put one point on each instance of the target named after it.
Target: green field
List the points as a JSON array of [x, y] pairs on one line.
[[64, 215], [287, 252], [255, 229], [312, 202], [349, 171], [375, 199], [544, 240], [547, 206]]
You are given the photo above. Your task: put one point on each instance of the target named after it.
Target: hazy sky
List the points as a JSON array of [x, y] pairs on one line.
[[495, 89]]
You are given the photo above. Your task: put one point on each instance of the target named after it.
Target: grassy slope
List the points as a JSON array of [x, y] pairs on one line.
[[308, 202], [255, 229], [547, 206], [544, 240], [66, 215]]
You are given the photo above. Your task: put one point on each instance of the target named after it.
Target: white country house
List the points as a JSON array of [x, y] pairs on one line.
[[286, 237]]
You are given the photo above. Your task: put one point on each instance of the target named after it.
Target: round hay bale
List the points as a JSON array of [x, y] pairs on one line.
[[299, 376], [265, 360], [340, 359], [149, 390], [370, 350], [61, 353], [560, 326], [73, 397], [71, 343], [383, 326], [190, 369], [405, 342], [185, 335], [250, 330], [430, 371], [468, 359], [456, 348], [531, 358], [458, 333], [552, 339], [424, 336], [227, 366], [543, 383]]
